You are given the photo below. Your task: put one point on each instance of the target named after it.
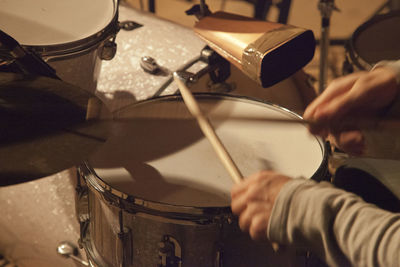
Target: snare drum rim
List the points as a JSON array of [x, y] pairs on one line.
[[136, 204], [81, 46], [354, 56]]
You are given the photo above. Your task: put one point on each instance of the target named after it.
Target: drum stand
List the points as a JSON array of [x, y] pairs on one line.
[[326, 7]]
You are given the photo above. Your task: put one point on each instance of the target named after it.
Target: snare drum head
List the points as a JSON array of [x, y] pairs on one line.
[[165, 158], [376, 40], [48, 22]]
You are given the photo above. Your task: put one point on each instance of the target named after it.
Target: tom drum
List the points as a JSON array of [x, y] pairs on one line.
[[72, 36], [375, 40]]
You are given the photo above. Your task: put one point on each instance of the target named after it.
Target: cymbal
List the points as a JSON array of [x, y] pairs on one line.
[[43, 127]]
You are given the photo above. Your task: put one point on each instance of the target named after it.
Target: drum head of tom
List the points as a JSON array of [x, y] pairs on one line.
[[375, 40]]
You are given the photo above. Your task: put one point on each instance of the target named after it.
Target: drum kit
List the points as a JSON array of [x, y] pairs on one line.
[[96, 92]]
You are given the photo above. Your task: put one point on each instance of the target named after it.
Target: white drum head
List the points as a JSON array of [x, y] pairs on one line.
[[49, 22], [169, 161]]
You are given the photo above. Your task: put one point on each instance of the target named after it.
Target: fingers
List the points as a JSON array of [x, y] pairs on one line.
[[331, 114], [350, 141], [249, 190], [254, 219], [339, 108], [337, 87], [253, 199], [329, 104], [254, 178]]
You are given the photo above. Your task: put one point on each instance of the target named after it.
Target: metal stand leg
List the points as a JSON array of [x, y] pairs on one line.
[[326, 7], [152, 6], [262, 7], [284, 8]]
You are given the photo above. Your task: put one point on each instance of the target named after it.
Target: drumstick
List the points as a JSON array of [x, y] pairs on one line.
[[208, 130]]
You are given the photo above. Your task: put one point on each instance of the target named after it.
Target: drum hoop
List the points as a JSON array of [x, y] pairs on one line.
[[355, 57], [81, 46], [134, 204]]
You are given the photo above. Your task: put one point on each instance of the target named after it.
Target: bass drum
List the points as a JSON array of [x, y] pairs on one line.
[[157, 195], [72, 36], [373, 41]]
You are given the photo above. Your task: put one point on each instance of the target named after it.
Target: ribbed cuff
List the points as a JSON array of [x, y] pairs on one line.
[[276, 231]]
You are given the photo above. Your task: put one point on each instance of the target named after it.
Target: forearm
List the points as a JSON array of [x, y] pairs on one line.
[[336, 225]]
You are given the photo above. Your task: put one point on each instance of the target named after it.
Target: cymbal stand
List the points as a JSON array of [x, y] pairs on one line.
[[325, 7]]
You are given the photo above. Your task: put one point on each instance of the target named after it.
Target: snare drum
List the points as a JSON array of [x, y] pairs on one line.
[[375, 40], [159, 196], [72, 36]]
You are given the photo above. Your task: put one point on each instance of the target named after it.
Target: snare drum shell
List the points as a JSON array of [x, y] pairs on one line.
[[206, 242]]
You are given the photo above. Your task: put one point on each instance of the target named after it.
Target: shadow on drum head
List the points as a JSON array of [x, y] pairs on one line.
[[144, 140], [145, 182], [125, 162]]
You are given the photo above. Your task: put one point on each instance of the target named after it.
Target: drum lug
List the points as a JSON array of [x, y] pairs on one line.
[[218, 257], [169, 252], [124, 246], [82, 203], [108, 50]]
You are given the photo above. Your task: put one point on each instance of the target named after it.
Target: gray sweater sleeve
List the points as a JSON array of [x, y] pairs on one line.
[[336, 225]]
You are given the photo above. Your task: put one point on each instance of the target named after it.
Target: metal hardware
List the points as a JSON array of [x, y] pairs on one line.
[[199, 11], [169, 252], [108, 50], [218, 258], [326, 7], [187, 77], [149, 64], [68, 250], [124, 244], [129, 25], [218, 67]]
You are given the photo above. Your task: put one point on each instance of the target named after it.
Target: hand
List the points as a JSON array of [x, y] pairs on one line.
[[362, 94], [253, 199]]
